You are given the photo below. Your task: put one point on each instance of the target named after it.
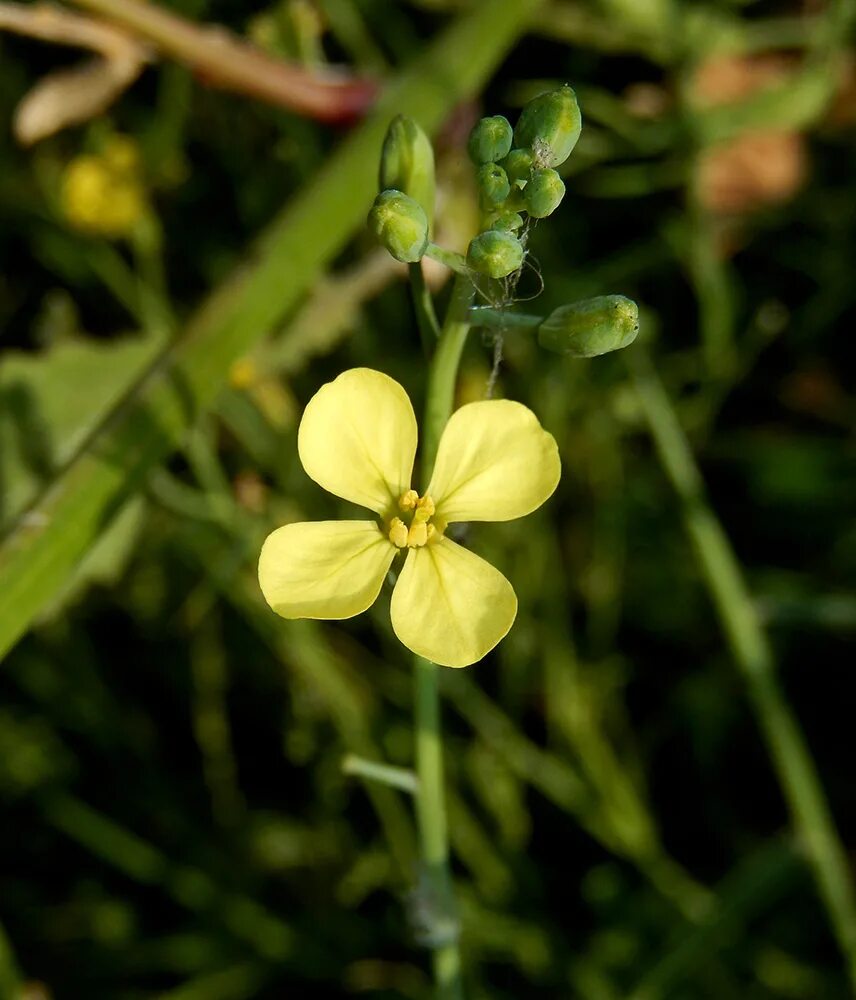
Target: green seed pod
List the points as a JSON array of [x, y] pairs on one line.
[[490, 140], [400, 224], [550, 126], [407, 163], [592, 327], [508, 222], [518, 165], [493, 184], [543, 193], [495, 253]]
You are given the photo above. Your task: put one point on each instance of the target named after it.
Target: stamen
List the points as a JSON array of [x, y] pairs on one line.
[[418, 534], [408, 500], [398, 533], [424, 510]]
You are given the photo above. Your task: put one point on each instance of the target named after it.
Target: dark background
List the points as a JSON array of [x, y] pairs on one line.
[[175, 819]]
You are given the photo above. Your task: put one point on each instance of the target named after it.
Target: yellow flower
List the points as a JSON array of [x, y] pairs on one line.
[[358, 439], [103, 194]]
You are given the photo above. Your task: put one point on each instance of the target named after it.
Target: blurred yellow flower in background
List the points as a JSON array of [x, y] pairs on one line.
[[357, 439], [103, 193]]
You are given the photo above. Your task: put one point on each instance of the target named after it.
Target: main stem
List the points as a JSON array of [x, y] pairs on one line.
[[437, 895]]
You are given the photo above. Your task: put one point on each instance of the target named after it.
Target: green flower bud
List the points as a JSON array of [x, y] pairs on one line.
[[518, 165], [550, 126], [543, 193], [515, 202], [490, 140], [592, 327], [495, 253], [400, 224], [508, 222], [407, 163], [493, 184]]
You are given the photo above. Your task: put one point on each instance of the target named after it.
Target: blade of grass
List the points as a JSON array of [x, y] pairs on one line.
[[49, 541], [751, 651]]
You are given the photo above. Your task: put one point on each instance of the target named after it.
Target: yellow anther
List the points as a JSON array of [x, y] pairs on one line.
[[408, 500], [418, 534], [398, 534], [424, 510], [431, 531]]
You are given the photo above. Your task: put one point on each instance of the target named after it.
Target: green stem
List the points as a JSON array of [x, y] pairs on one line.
[[385, 774], [423, 306], [753, 655], [437, 911], [454, 261], [436, 893], [500, 319], [444, 370], [153, 297]]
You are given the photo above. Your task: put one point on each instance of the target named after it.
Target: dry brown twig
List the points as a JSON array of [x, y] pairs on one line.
[[221, 59], [71, 96], [126, 34]]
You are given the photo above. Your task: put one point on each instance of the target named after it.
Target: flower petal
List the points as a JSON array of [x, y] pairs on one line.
[[451, 606], [495, 462], [357, 438], [324, 569]]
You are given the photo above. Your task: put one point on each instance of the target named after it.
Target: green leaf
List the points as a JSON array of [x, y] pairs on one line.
[[51, 402]]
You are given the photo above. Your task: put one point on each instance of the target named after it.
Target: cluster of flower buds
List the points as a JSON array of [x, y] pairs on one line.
[[516, 174], [517, 178]]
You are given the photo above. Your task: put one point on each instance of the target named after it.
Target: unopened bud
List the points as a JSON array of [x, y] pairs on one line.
[[490, 140], [495, 253], [493, 184], [400, 224], [508, 222], [515, 202], [592, 327], [550, 125], [543, 193], [518, 165], [407, 163]]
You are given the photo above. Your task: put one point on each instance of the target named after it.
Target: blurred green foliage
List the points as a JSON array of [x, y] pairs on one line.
[[176, 819]]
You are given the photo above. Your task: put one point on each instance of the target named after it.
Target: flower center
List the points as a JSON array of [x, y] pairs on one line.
[[418, 511]]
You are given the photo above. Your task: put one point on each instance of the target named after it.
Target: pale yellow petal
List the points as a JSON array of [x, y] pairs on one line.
[[357, 438], [451, 606], [495, 462], [324, 569]]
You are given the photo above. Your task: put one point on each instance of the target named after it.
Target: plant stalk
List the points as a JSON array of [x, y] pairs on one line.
[[423, 306], [444, 371], [438, 912]]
